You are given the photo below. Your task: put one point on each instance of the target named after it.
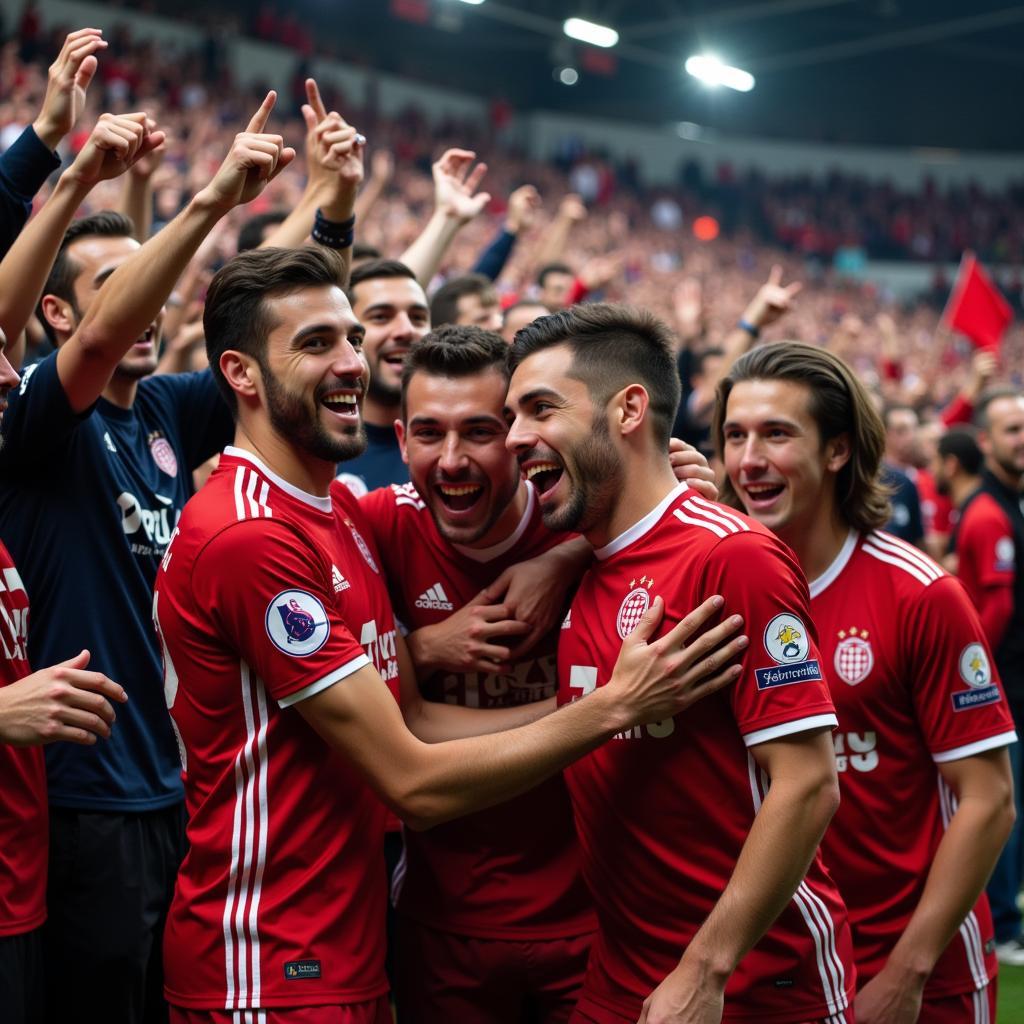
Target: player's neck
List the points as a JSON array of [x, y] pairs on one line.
[[816, 545], [307, 473], [508, 522], [962, 487], [379, 415], [646, 483], [121, 391]]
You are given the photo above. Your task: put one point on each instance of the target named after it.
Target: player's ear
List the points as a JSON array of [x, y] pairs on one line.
[[400, 434], [631, 405], [838, 452], [240, 371], [58, 314]]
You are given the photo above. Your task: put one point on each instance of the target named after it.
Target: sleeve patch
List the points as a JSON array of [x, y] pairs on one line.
[[297, 623], [976, 673], [1005, 555], [788, 644]]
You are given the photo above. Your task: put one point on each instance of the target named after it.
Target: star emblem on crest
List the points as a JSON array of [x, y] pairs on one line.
[[853, 631]]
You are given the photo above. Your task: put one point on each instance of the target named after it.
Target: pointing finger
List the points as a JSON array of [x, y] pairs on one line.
[[260, 118], [315, 100]]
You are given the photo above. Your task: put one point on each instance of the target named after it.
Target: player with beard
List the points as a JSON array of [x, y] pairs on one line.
[[390, 304], [96, 469], [698, 834], [496, 921], [278, 678], [923, 725]]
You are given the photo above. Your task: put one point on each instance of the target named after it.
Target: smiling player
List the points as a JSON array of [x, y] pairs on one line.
[[923, 726]]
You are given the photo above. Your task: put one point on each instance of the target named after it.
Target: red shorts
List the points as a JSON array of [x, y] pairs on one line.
[[376, 1011], [968, 1008], [456, 979]]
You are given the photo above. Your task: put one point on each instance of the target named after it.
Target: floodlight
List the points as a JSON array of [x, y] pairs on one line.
[[588, 32], [711, 71]]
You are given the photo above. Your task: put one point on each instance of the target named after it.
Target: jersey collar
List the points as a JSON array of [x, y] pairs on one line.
[[497, 550], [313, 500], [838, 565], [641, 527]]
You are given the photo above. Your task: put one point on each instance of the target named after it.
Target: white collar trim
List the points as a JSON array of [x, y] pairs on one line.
[[497, 550], [830, 575], [314, 500], [641, 527]]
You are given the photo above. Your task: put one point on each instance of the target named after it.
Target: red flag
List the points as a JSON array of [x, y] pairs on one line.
[[976, 307]]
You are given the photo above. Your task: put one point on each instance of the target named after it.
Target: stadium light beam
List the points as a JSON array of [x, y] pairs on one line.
[[711, 71], [588, 32], [473, 2]]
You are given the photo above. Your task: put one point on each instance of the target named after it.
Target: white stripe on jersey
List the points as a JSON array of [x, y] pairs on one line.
[[247, 505], [239, 502], [899, 561], [895, 546], [970, 930], [716, 512], [241, 934], [980, 999], [831, 972]]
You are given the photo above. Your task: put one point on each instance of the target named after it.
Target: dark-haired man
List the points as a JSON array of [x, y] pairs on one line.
[[467, 299], [96, 469], [390, 304], [698, 834], [281, 679], [923, 726]]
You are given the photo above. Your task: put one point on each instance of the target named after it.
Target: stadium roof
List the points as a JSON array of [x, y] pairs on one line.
[[891, 72]]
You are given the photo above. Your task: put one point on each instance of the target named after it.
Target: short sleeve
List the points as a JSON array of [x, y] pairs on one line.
[[956, 691], [203, 419], [39, 419], [782, 689], [986, 543], [281, 612]]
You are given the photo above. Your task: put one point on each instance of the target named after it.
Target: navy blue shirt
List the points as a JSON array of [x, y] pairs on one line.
[[379, 466], [906, 522], [23, 169], [87, 506]]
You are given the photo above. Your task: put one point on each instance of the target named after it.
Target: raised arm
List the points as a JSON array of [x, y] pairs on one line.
[[571, 211], [137, 192], [132, 297], [456, 203], [116, 143]]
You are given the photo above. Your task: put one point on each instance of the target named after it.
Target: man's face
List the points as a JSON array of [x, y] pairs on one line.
[[774, 456], [563, 443], [901, 440], [518, 317], [554, 293], [97, 258], [454, 443], [314, 374], [1003, 441], [941, 468], [394, 312], [473, 309]]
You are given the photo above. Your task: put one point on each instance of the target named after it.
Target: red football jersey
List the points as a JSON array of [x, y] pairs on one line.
[[663, 810], [914, 685], [267, 596], [985, 548], [24, 824], [936, 509], [512, 871]]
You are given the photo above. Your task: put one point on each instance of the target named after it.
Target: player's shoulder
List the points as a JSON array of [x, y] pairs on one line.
[[984, 511], [716, 530], [904, 567]]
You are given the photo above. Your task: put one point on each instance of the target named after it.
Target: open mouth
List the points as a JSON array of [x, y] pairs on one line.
[[147, 339], [341, 403], [459, 497], [543, 475], [761, 495]]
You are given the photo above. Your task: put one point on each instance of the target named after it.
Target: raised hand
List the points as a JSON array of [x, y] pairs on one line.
[[772, 301], [256, 157], [115, 145], [67, 82], [63, 702], [455, 185], [334, 149], [688, 303], [572, 208], [690, 465], [524, 206]]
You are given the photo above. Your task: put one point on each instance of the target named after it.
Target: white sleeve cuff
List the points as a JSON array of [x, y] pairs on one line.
[[1004, 739], [752, 739], [329, 680]]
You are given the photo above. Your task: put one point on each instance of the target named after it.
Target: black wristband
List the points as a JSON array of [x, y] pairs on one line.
[[335, 234]]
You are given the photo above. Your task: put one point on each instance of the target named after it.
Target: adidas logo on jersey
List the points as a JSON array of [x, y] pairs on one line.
[[339, 581], [435, 599]]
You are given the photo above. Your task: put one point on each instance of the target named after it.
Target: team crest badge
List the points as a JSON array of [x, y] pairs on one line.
[[163, 454], [364, 549], [297, 623], [854, 658], [976, 672], [633, 606]]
